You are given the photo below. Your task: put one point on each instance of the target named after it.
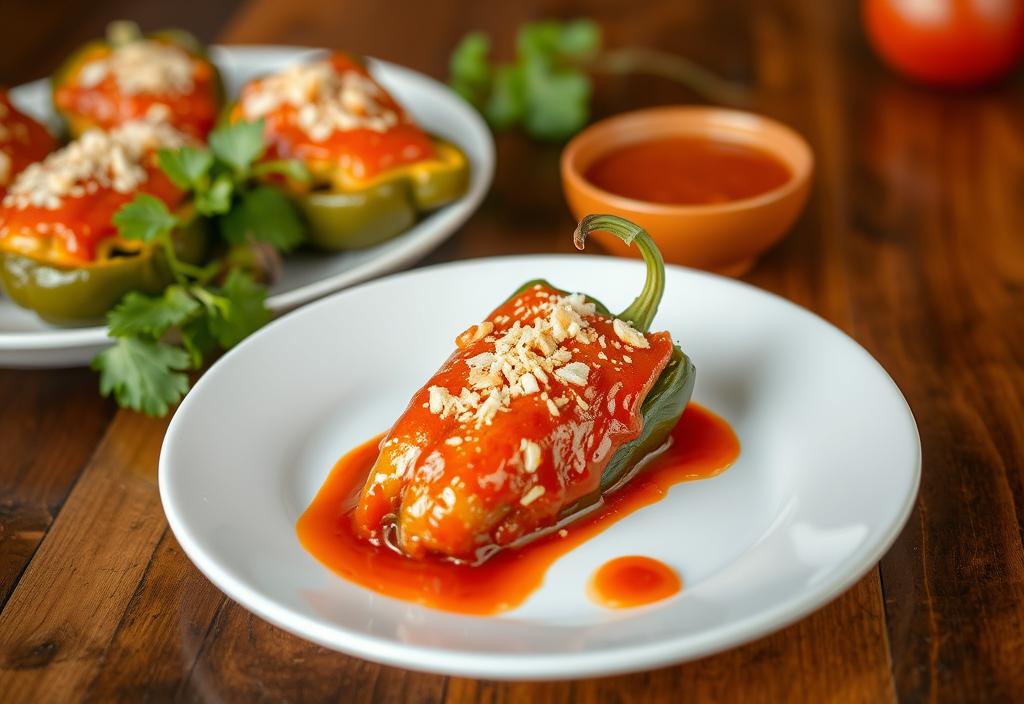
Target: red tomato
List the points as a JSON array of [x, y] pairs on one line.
[[947, 42]]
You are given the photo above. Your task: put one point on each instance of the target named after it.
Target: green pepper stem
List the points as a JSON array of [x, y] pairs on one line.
[[122, 32], [640, 313]]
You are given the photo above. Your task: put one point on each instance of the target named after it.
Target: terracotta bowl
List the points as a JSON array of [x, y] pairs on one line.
[[724, 237]]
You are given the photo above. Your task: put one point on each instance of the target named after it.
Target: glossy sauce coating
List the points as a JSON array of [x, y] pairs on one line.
[[106, 106], [703, 445], [633, 580], [687, 171], [462, 500], [22, 141], [360, 154], [72, 234]]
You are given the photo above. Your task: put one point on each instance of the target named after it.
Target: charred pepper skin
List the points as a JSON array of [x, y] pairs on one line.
[[82, 295], [78, 123]]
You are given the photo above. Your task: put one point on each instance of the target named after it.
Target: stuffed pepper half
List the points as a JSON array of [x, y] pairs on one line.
[[547, 404], [374, 170], [59, 250], [165, 75], [23, 141]]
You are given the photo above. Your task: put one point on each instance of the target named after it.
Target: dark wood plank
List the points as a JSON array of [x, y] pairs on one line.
[[161, 633], [935, 230], [36, 36], [66, 607], [41, 459], [911, 243]]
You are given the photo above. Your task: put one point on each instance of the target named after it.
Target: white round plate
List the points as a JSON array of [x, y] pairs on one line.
[[26, 341], [827, 475]]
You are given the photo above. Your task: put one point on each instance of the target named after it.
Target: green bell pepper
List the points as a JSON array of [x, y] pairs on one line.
[[119, 34], [82, 295], [665, 402], [341, 219]]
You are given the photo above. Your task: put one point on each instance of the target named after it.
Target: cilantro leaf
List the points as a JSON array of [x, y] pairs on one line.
[[139, 314], [187, 167], [245, 313], [289, 168], [546, 89], [579, 39], [470, 69], [144, 375], [264, 214], [216, 200], [144, 218], [238, 144], [557, 101], [507, 102], [197, 339]]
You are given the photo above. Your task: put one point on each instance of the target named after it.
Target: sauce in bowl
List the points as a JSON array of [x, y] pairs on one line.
[[688, 170]]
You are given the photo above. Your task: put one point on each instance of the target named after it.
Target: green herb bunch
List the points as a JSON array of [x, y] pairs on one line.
[[158, 338], [547, 88]]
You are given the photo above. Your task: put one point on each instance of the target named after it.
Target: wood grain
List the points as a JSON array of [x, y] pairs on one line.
[[911, 243]]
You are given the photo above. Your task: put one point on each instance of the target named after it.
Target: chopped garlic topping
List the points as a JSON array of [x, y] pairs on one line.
[[325, 100], [630, 335], [142, 66], [95, 160]]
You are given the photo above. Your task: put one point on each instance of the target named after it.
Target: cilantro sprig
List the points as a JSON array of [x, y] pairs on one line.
[[547, 88], [159, 338]]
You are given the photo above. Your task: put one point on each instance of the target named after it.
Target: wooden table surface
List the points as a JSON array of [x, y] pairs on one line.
[[912, 243]]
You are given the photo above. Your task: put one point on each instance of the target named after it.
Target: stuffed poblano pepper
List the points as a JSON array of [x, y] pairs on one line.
[[60, 254], [548, 403], [374, 170], [23, 141], [165, 75]]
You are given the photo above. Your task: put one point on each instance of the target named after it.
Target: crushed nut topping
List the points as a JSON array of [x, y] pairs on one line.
[[474, 333], [531, 455], [95, 160], [532, 495], [325, 100], [142, 66], [630, 335]]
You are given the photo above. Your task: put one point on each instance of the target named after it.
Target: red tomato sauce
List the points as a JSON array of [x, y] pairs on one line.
[[361, 153], [194, 113], [81, 224], [577, 444], [703, 445], [687, 171], [22, 139], [633, 580]]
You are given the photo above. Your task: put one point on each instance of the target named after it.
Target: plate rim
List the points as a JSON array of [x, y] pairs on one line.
[[281, 303], [537, 667]]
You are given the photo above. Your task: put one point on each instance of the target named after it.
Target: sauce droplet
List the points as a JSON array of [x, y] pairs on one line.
[[633, 580]]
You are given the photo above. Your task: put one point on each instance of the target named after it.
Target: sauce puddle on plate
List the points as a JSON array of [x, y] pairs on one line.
[[703, 445], [633, 580], [688, 171]]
